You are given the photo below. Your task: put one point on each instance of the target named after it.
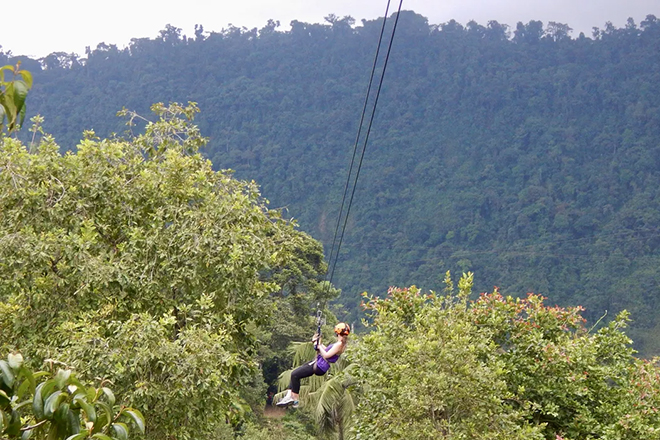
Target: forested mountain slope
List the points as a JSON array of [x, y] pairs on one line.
[[524, 155]]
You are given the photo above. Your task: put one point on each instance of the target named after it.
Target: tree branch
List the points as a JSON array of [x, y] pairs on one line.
[[27, 428]]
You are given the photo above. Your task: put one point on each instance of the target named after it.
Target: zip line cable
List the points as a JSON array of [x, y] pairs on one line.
[[357, 138], [334, 255], [366, 140]]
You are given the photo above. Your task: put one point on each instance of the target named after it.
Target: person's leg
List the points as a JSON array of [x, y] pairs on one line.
[[305, 370], [291, 397]]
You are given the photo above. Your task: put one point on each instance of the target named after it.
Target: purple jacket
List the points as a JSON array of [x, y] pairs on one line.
[[323, 364]]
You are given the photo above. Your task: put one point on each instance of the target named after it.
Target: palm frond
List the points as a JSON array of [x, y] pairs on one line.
[[341, 364], [328, 404], [348, 404], [302, 352], [329, 396]]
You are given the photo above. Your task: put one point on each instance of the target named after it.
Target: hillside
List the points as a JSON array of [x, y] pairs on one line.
[[522, 154]]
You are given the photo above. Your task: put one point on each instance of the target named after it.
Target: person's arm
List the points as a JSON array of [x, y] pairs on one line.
[[336, 349], [314, 339]]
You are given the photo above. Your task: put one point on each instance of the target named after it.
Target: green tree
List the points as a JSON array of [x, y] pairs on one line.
[[136, 254], [446, 367], [427, 371], [576, 383]]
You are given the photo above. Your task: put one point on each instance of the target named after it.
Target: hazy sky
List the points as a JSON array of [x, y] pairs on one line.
[[70, 25]]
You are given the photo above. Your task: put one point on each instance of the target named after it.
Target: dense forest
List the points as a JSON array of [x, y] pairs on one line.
[[520, 153], [148, 292]]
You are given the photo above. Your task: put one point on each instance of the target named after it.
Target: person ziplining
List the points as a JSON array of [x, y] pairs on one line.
[[319, 366], [330, 354]]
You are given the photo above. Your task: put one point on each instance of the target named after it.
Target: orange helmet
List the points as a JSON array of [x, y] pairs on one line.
[[342, 329]]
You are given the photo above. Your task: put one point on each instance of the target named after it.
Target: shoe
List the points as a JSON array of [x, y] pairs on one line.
[[295, 404], [286, 400]]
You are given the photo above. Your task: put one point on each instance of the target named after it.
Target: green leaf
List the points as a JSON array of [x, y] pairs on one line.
[[2, 71], [6, 419], [7, 374], [20, 94], [74, 421], [53, 402], [48, 388], [86, 406], [27, 434], [61, 416], [121, 431], [9, 105], [102, 421], [22, 118], [27, 77], [137, 417], [25, 372], [109, 394], [52, 432], [80, 388], [4, 398], [80, 436], [23, 388], [62, 377], [15, 360], [15, 424], [91, 394], [107, 410], [101, 436], [38, 402]]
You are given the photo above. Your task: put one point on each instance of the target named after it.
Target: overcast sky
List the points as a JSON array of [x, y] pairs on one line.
[[71, 25]]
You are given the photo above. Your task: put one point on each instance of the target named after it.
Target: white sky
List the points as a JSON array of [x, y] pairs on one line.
[[70, 25]]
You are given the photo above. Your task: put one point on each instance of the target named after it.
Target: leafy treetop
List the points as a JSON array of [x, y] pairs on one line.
[[55, 405]]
